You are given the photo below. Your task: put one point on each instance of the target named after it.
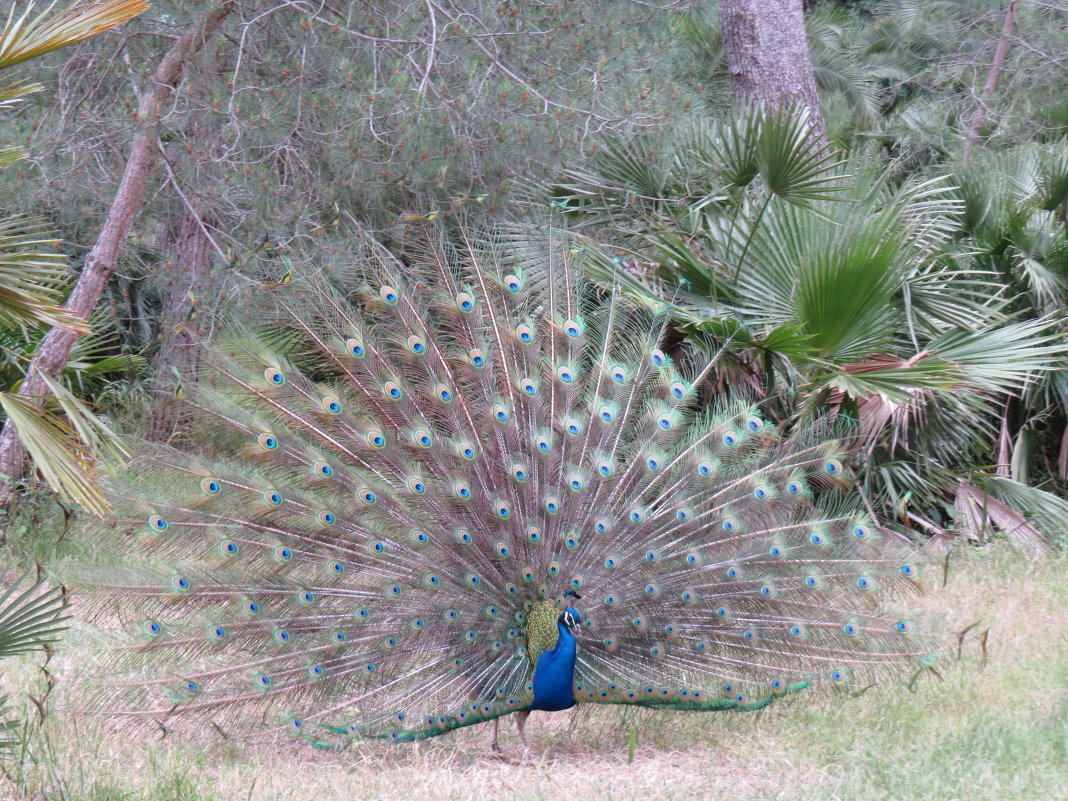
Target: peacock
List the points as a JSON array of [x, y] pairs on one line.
[[465, 482]]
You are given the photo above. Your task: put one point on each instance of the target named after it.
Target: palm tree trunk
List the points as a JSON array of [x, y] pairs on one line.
[[103, 258], [768, 55]]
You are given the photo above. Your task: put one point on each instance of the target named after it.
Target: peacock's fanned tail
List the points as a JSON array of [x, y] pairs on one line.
[[354, 542]]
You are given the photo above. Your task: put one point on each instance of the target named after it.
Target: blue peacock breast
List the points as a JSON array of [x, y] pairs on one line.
[[554, 674]]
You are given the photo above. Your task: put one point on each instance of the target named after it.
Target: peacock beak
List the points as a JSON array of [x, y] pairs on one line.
[[572, 619]]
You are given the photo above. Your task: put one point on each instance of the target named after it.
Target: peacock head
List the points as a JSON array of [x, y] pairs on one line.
[[571, 617]]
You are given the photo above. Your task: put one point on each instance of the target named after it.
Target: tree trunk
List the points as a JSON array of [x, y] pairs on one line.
[[992, 79], [181, 326], [103, 258], [178, 358], [768, 55]]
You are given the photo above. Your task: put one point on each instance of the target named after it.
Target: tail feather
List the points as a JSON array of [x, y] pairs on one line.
[[366, 519]]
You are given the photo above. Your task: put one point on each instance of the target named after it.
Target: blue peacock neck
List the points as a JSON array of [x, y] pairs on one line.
[[554, 673]]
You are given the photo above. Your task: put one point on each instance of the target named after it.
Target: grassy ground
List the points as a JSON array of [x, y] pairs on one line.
[[995, 727]]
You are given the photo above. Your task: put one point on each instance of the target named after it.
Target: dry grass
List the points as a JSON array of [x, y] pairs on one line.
[[995, 728]]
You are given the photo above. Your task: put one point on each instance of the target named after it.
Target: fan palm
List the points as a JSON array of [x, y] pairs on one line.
[[1014, 227], [827, 288], [30, 619]]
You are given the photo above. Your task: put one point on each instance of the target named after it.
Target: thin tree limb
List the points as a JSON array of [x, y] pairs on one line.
[[992, 78]]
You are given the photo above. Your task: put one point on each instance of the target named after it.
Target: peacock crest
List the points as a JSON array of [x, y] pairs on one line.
[[406, 495]]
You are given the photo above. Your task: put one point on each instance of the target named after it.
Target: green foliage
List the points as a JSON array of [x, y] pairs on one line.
[[31, 618], [28, 35], [907, 73], [32, 279], [830, 286], [889, 284], [63, 442]]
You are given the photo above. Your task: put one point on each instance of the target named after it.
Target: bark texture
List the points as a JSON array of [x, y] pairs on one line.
[[188, 273], [768, 55], [992, 78], [103, 258]]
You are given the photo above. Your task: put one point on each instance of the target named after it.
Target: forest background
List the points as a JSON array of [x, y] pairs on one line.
[[913, 156]]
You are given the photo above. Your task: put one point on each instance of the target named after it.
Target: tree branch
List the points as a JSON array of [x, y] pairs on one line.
[[992, 78], [103, 258]]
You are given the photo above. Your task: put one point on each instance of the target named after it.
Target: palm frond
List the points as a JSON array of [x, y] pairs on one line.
[[63, 448], [9, 154], [9, 727], [980, 512], [32, 277], [790, 162], [1053, 177], [1003, 358], [92, 430], [14, 93], [28, 35], [897, 382], [30, 617]]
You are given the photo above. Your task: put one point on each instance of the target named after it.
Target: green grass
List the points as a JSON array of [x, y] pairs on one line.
[[995, 727]]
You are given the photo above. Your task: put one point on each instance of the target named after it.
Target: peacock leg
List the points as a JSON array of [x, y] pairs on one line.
[[520, 722], [495, 748]]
